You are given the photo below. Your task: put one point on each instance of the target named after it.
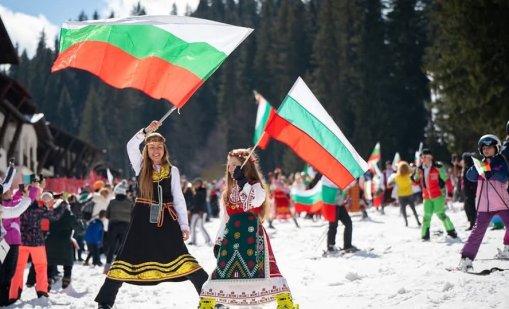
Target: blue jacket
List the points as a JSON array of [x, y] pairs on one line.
[[94, 233]]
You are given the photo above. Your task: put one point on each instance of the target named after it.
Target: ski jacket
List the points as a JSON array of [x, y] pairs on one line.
[[434, 185], [31, 232], [95, 231], [491, 193]]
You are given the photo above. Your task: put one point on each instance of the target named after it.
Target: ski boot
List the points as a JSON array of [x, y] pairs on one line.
[[284, 301], [503, 254], [351, 249], [465, 265], [207, 303]]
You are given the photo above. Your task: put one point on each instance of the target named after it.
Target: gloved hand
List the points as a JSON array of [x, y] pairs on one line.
[[487, 174], [238, 175], [216, 250]]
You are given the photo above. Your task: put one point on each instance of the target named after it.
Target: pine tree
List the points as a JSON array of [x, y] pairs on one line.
[[82, 16], [409, 86], [138, 10], [174, 10], [468, 62]]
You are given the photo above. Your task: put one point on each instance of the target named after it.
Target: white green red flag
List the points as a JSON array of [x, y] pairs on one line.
[[375, 156], [263, 115], [302, 123], [395, 161], [309, 201], [481, 167], [166, 57]]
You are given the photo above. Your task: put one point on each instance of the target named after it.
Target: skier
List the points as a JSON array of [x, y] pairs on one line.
[[492, 199], [433, 176]]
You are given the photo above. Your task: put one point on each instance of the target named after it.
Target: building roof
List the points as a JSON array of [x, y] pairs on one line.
[[8, 53]]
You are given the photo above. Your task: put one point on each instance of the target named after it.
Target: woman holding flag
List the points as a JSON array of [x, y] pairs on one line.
[[491, 176], [246, 273], [154, 249]]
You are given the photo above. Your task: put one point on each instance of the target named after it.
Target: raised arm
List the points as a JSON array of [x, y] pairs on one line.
[[133, 151], [16, 211]]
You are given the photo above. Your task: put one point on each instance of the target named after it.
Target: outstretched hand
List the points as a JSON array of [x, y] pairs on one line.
[[152, 127]]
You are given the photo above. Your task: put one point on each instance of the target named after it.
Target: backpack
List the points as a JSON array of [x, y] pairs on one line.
[[87, 209]]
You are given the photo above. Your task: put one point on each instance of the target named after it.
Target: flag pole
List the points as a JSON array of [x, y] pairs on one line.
[[167, 114], [252, 150]]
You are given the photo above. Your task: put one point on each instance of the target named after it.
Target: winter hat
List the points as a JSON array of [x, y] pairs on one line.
[[426, 151], [84, 197], [121, 188]]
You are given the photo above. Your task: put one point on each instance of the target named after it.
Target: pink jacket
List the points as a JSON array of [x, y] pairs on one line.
[[491, 195]]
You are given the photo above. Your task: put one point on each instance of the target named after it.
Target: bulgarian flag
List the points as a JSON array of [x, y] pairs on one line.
[[395, 161], [481, 167], [309, 201], [331, 196], [166, 57], [375, 157], [303, 124], [263, 114]]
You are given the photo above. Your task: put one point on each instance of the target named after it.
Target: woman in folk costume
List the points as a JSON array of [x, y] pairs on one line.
[[154, 249], [246, 272]]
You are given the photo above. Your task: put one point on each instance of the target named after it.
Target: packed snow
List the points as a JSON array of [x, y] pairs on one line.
[[394, 269]]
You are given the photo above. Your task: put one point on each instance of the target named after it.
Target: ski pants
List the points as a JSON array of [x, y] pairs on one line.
[[343, 216], [40, 262], [403, 202], [481, 225], [435, 206], [197, 222]]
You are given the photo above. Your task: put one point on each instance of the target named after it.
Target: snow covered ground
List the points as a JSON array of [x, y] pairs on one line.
[[395, 270]]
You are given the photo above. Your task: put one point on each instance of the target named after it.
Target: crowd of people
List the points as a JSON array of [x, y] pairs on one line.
[[120, 226]]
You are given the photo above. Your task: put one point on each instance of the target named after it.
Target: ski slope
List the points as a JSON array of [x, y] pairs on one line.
[[395, 270]]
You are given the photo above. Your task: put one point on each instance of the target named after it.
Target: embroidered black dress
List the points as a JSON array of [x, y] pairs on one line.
[[154, 252]]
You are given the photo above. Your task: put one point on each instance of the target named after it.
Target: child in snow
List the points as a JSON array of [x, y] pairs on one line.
[[492, 199], [94, 239]]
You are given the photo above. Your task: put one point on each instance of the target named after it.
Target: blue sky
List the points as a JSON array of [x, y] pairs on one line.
[[25, 19], [56, 11]]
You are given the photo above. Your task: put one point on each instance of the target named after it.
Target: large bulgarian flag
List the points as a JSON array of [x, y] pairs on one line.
[[303, 124], [166, 57], [309, 201], [263, 114]]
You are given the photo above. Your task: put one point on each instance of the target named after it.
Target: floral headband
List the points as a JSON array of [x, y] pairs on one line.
[[242, 154]]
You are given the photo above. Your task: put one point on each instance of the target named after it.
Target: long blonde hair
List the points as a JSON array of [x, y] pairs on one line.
[[147, 169], [252, 172]]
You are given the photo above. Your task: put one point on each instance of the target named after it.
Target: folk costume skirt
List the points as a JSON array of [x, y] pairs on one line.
[[246, 272], [153, 252]]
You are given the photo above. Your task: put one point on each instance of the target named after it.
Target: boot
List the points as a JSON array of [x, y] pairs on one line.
[[66, 281], [426, 235], [452, 234], [207, 303], [465, 265], [284, 301], [503, 254]]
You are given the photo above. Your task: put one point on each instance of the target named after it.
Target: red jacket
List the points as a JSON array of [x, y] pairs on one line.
[[435, 183]]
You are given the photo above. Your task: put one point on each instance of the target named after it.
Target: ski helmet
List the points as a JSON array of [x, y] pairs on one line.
[[489, 140]]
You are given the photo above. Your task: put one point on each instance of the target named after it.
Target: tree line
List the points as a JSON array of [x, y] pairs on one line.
[[371, 63]]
